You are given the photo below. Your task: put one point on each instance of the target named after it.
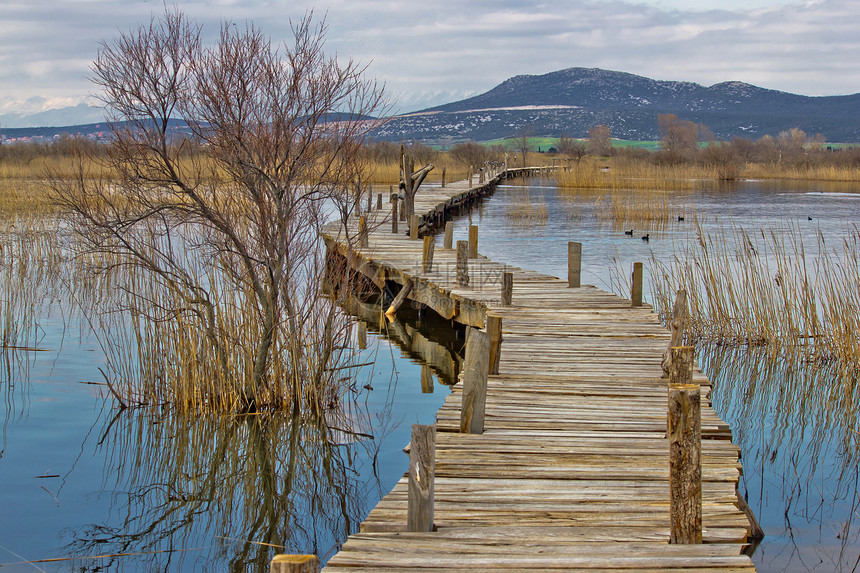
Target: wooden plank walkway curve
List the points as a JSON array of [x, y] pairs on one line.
[[571, 472]]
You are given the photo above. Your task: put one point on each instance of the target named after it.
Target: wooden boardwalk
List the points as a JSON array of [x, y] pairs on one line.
[[572, 470]]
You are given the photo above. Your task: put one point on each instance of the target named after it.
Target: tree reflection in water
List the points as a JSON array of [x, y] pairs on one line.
[[225, 492], [797, 426]]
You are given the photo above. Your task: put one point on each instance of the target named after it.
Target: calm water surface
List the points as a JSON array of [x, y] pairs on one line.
[[105, 490]]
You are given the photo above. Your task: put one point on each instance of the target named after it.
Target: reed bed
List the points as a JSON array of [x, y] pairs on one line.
[[812, 171], [526, 211], [768, 288], [623, 174], [160, 348], [647, 209]]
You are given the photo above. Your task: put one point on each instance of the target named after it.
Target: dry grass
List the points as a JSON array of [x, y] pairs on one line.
[[625, 173], [816, 172], [525, 211], [769, 289]]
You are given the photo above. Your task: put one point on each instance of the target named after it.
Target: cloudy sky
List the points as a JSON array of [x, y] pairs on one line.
[[444, 50]]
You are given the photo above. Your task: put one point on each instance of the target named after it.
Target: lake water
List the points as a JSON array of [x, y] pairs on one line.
[[98, 489]]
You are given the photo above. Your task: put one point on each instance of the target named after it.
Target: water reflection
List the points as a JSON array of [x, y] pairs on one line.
[[224, 492], [228, 492], [797, 426], [420, 333]]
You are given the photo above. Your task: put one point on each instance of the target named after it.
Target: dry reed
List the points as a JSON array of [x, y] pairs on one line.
[[523, 211], [769, 288]]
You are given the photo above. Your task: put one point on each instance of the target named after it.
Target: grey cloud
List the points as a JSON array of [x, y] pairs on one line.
[[452, 49]]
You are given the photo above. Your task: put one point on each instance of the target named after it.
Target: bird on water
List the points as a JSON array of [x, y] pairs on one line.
[[647, 237], [630, 232]]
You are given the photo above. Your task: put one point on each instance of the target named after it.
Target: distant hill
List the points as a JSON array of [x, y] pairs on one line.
[[573, 100]]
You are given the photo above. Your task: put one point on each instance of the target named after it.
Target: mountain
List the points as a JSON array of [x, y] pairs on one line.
[[571, 101], [64, 116]]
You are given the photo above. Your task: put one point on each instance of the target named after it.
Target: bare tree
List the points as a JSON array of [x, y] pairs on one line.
[[600, 140], [471, 154], [678, 138], [572, 148], [521, 141], [226, 238]]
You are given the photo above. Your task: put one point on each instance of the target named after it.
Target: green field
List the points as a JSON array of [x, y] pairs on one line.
[[544, 143]]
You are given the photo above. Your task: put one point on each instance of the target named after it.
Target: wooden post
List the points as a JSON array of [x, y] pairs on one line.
[[636, 285], [507, 288], [399, 299], [422, 475], [294, 564], [394, 217], [494, 332], [574, 264], [462, 263], [443, 176], [426, 379], [369, 197], [448, 242], [379, 201], [475, 370], [473, 241], [362, 231], [481, 176], [362, 335], [427, 256], [470, 176], [413, 226], [685, 442], [679, 320]]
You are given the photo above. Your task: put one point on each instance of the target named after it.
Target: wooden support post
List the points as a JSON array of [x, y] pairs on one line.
[[507, 288], [473, 241], [379, 201], [679, 321], [481, 176], [426, 379], [427, 255], [413, 226], [470, 176], [394, 217], [443, 176], [636, 285], [448, 241], [462, 263], [685, 443], [362, 231], [574, 264], [494, 331], [475, 370], [422, 475], [369, 198], [362, 335], [399, 299], [294, 564]]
